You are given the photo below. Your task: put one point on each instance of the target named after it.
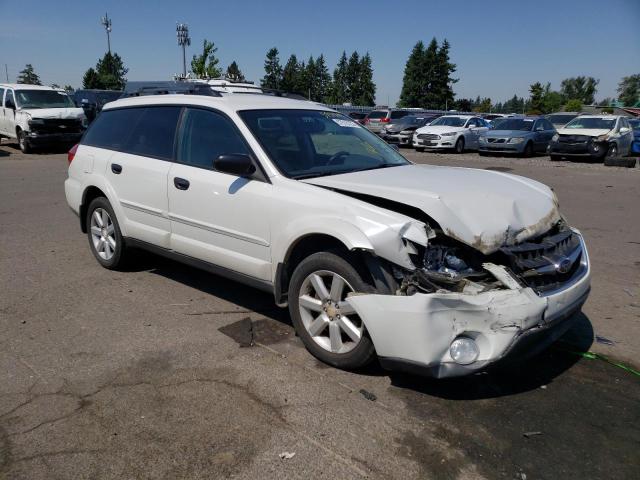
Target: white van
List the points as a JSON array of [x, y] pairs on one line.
[[39, 116]]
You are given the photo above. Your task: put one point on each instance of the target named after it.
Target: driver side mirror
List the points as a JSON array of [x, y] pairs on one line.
[[624, 129], [235, 164], [471, 126]]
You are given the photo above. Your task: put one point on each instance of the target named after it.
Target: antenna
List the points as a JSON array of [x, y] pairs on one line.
[[106, 23], [182, 31]]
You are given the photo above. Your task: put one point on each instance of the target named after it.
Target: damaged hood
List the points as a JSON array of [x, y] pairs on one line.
[[53, 112], [483, 209], [590, 132]]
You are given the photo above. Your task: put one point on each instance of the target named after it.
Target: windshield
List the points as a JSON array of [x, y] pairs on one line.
[[513, 124], [309, 143], [561, 119], [592, 123], [449, 121], [43, 99]]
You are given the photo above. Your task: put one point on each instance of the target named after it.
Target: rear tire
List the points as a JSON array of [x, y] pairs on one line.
[[23, 142], [329, 328], [103, 231], [459, 148]]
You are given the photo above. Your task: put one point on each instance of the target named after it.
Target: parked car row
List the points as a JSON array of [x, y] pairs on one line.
[[583, 136]]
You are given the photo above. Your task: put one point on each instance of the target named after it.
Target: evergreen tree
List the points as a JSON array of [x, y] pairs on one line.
[[367, 87], [537, 98], [234, 73], [354, 89], [205, 65], [412, 82], [29, 76], [339, 89], [442, 82], [430, 97], [290, 75], [272, 70], [109, 74], [310, 80], [323, 79]]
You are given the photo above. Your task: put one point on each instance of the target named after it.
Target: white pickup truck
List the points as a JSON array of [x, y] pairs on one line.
[[39, 116]]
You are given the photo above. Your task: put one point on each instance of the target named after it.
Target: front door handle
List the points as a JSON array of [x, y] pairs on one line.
[[115, 168], [181, 183]]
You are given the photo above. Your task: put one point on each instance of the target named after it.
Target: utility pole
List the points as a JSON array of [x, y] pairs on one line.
[[106, 23], [182, 30]]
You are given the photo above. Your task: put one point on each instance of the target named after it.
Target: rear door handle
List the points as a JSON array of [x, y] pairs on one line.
[[115, 168], [181, 183]]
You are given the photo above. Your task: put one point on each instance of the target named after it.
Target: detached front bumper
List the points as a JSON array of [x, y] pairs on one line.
[[414, 333]]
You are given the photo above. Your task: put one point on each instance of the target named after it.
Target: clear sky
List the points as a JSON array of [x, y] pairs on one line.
[[500, 46]]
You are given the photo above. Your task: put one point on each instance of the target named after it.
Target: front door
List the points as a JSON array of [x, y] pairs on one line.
[[217, 217]]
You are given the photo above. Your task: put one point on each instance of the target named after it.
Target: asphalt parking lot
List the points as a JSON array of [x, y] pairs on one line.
[[162, 371]]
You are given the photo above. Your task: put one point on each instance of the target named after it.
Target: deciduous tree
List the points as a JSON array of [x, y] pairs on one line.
[[205, 65], [629, 90]]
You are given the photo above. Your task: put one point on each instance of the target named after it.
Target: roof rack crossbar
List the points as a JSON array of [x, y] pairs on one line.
[[137, 89]]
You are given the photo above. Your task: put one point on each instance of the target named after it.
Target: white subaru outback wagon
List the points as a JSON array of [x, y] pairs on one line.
[[438, 270]]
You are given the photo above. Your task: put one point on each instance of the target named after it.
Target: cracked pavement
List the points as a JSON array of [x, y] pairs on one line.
[[166, 372]]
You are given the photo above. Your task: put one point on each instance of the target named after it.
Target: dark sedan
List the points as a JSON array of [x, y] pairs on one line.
[[401, 131]]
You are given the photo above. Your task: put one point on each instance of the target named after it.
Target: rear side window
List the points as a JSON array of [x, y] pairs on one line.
[[207, 135], [112, 128], [154, 134], [141, 131]]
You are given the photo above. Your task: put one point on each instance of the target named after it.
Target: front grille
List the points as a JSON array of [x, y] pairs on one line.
[[548, 262], [57, 125], [428, 136], [496, 140], [573, 138]]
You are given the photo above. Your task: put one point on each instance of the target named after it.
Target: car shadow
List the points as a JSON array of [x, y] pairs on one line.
[[511, 379]]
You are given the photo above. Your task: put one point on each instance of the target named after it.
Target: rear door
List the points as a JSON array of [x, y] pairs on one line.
[[142, 143], [217, 217]]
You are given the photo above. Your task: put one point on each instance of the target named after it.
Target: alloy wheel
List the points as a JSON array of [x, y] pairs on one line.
[[326, 315], [103, 234]]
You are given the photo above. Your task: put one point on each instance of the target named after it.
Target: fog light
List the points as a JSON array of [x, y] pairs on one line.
[[464, 350]]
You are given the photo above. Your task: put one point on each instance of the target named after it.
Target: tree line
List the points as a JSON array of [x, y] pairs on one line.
[[427, 81], [352, 80]]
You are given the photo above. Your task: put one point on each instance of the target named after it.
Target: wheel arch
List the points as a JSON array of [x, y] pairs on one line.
[[90, 193], [307, 245]]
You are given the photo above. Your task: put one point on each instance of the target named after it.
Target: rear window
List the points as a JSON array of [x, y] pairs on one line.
[[141, 131], [399, 114], [377, 114]]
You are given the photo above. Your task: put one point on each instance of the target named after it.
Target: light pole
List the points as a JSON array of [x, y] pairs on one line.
[[106, 23], [184, 41]]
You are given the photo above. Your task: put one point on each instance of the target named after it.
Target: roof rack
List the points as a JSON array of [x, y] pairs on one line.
[[282, 93], [137, 89]]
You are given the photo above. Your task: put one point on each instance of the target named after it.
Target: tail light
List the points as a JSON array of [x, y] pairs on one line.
[[365, 121], [72, 153], [385, 120]]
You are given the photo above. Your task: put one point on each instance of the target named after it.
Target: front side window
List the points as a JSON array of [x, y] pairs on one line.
[[9, 99], [449, 121], [310, 143], [43, 99], [205, 136], [591, 123]]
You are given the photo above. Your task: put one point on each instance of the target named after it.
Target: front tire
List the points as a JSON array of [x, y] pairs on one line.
[[459, 148], [23, 142], [327, 325], [105, 238], [528, 150]]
